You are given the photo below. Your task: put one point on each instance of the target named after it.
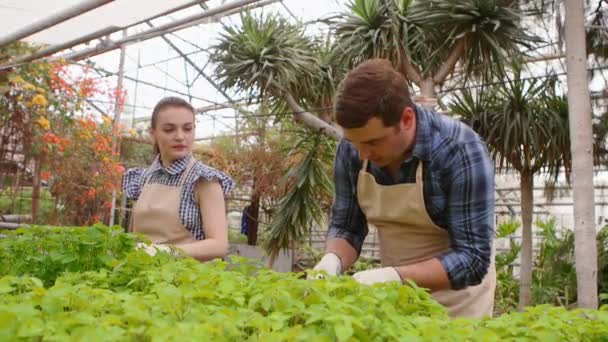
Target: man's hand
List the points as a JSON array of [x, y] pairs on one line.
[[330, 263], [153, 248], [377, 275]]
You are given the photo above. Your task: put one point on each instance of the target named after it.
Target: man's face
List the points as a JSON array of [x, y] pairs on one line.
[[383, 145]]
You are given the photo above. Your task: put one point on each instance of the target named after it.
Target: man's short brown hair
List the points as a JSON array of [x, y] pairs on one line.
[[372, 89]]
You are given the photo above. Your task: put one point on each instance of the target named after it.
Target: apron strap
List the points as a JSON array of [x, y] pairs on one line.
[[184, 176], [419, 176]]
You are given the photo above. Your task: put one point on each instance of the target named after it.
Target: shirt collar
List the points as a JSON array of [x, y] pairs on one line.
[[423, 143], [177, 166]]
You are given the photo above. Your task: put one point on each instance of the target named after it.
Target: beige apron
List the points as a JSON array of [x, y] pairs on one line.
[[156, 212], [407, 235]]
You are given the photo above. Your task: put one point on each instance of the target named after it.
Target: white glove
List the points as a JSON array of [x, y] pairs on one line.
[[377, 275], [153, 248], [330, 263]]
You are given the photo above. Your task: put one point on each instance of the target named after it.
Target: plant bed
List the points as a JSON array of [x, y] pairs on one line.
[[90, 284]]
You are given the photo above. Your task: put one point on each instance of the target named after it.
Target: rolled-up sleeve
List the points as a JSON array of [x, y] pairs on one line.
[[347, 219], [470, 206], [131, 182]]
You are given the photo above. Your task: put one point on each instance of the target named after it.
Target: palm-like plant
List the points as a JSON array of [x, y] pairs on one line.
[[308, 183], [272, 60], [426, 39], [320, 91], [261, 55], [269, 57], [525, 124]]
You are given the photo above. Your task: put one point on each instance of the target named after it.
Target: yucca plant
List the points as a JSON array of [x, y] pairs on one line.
[[426, 39], [308, 183], [524, 126], [272, 60], [268, 57], [264, 54]]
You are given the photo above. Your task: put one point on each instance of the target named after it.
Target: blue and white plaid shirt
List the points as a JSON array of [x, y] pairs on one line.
[[458, 193], [189, 209]]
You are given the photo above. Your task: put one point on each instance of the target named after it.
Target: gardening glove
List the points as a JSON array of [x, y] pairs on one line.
[[377, 275], [330, 263], [152, 249]]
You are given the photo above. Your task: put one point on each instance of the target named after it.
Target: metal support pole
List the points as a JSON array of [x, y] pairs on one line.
[[196, 67], [91, 36], [60, 47], [163, 29], [136, 86], [53, 20], [116, 123], [108, 73]]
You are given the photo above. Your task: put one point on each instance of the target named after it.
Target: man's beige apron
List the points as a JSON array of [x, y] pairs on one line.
[[407, 235], [156, 213]]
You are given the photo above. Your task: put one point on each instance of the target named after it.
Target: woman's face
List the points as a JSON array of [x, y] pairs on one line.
[[174, 133]]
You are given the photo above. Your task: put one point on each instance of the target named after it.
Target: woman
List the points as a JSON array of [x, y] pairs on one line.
[[180, 201]]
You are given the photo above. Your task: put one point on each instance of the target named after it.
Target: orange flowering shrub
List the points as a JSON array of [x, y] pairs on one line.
[[85, 171], [42, 109]]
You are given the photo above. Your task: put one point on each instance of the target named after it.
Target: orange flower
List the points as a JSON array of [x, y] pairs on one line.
[[91, 193], [46, 175], [50, 138]]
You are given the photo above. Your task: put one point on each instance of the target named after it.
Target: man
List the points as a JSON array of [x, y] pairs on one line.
[[424, 180]]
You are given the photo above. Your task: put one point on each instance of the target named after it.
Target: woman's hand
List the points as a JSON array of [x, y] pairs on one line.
[[152, 249]]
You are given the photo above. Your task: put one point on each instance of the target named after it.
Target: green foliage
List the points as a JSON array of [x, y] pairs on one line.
[[134, 153], [506, 296], [523, 122], [160, 298], [20, 202], [46, 253], [491, 30], [554, 272], [602, 263], [507, 229], [425, 32], [372, 28], [554, 276], [308, 182], [265, 53], [236, 237]]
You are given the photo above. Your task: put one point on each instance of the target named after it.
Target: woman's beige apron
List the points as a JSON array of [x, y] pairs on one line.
[[156, 212], [407, 235]]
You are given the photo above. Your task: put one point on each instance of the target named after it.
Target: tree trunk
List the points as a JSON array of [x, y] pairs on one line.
[[581, 135], [525, 270], [310, 120], [36, 190], [427, 97], [253, 213]]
